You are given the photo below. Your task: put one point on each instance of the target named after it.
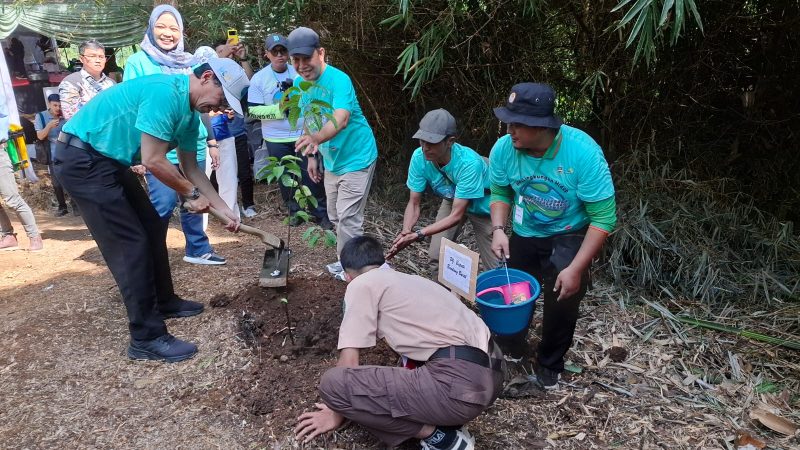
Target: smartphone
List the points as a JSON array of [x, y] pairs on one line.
[[233, 36]]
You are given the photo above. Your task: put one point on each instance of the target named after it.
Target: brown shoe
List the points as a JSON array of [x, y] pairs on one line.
[[9, 242], [36, 244]]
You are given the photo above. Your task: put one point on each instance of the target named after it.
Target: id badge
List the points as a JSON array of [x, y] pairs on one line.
[[518, 214]]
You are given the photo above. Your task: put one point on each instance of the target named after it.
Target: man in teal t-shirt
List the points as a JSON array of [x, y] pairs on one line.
[[348, 147], [139, 121], [555, 182], [460, 177]]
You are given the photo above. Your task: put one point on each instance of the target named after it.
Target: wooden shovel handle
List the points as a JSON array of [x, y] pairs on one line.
[[267, 238]]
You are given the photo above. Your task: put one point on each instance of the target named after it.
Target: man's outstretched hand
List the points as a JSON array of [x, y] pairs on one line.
[[314, 423]]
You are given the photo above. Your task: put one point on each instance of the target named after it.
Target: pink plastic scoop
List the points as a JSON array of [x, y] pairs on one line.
[[512, 293]]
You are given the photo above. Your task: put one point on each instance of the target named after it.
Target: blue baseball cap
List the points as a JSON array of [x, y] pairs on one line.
[[303, 41], [274, 40], [530, 104]]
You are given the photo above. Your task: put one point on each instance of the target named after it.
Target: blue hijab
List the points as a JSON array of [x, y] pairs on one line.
[[175, 60]]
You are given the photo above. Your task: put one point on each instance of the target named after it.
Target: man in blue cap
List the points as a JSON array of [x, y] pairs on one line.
[[347, 146], [556, 182], [93, 164]]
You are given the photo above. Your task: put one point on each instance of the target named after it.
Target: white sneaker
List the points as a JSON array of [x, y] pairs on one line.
[[464, 441], [335, 268], [210, 258], [250, 212]]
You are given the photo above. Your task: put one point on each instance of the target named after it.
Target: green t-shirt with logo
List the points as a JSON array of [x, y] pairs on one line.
[[113, 122], [139, 65], [353, 148], [550, 191], [466, 176]]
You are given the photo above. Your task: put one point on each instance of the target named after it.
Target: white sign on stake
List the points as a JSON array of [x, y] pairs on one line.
[[458, 268]]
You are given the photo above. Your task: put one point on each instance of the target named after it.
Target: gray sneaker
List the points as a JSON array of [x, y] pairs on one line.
[[210, 258], [335, 268]]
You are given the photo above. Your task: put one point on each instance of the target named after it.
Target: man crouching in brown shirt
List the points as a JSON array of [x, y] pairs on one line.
[[421, 321]]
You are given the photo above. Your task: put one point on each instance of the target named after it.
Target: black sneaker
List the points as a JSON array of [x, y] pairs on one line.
[[545, 378], [326, 224], [164, 348], [181, 308], [61, 213]]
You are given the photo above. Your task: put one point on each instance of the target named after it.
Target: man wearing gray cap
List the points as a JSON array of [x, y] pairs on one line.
[[347, 146], [557, 181], [459, 176], [93, 160], [266, 89]]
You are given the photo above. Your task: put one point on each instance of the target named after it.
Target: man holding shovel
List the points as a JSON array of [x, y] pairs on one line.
[[556, 181], [141, 120], [460, 369], [458, 175]]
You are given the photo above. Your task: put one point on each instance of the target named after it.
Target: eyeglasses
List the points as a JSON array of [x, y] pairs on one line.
[[277, 52], [97, 57]]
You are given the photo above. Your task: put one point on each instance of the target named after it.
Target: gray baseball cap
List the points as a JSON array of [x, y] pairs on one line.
[[303, 41], [435, 126], [274, 40], [234, 81]]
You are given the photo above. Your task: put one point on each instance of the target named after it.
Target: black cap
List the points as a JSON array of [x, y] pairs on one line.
[[530, 104], [275, 39], [303, 41], [53, 98]]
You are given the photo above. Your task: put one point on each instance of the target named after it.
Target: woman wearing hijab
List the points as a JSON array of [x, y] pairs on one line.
[[162, 51]]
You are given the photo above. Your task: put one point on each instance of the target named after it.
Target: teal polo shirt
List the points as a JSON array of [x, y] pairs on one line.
[[139, 65], [466, 176], [354, 147], [113, 122], [550, 191]]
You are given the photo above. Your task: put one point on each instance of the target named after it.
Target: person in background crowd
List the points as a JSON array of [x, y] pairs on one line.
[[163, 52], [17, 52], [266, 89], [460, 177], [48, 124], [459, 369], [348, 147], [78, 88], [224, 177], [558, 183], [9, 192]]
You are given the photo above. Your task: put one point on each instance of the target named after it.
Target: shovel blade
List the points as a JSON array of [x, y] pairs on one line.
[[275, 268]]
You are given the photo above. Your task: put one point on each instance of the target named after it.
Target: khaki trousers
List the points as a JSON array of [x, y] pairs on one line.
[[482, 225], [347, 197]]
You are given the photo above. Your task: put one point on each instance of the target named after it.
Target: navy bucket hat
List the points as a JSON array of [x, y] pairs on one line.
[[530, 104]]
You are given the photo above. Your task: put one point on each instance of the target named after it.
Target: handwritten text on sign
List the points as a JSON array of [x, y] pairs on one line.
[[457, 269]]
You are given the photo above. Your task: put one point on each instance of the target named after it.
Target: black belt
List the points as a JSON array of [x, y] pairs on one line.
[[467, 353], [69, 139]]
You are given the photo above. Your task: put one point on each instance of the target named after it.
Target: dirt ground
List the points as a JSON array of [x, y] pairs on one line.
[[635, 381]]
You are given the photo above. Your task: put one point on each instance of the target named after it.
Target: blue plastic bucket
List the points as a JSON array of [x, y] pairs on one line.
[[505, 319]]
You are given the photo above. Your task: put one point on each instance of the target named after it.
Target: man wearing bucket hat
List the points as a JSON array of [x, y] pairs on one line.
[[555, 182], [460, 376], [347, 145], [457, 174], [93, 161]]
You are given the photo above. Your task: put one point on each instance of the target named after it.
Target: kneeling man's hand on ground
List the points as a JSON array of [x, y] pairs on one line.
[[312, 424]]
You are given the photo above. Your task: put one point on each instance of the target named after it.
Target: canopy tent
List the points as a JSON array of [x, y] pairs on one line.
[[113, 23]]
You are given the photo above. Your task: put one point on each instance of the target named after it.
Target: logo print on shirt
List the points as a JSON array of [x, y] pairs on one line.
[[542, 202]]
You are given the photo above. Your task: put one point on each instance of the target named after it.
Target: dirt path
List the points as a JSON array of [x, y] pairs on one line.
[[65, 382]]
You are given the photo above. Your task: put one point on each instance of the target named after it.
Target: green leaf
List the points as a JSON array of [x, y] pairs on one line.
[[294, 116], [313, 201], [306, 85], [277, 171], [767, 387], [306, 217], [321, 104], [306, 190], [288, 181], [294, 171], [307, 234], [696, 14], [312, 241], [620, 5], [636, 28], [330, 239], [634, 11], [665, 12]]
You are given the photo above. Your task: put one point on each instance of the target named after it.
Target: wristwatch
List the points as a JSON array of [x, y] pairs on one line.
[[420, 235], [194, 194]]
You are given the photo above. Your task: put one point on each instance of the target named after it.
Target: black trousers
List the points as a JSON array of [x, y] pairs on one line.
[[281, 149], [130, 234], [544, 258], [244, 171]]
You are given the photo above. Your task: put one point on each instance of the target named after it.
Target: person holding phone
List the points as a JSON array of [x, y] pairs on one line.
[[48, 124]]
